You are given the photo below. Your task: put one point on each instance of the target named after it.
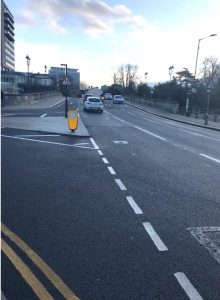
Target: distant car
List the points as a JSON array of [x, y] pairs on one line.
[[108, 96], [118, 99], [94, 104], [86, 96]]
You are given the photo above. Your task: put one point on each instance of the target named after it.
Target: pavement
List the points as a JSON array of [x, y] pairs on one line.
[[59, 125]]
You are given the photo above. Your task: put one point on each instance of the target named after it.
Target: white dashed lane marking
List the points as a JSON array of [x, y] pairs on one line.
[[120, 184], [134, 205], [105, 160], [94, 144], [100, 152], [155, 237], [44, 115], [111, 170], [187, 286]]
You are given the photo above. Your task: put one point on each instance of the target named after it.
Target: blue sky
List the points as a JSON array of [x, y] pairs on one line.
[[98, 36]]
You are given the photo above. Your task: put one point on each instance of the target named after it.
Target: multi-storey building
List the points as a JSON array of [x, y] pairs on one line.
[[72, 74], [7, 39]]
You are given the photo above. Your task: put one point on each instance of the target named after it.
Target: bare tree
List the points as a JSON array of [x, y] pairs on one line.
[[210, 70], [83, 85]]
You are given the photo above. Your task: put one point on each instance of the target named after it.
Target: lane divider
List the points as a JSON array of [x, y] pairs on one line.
[[210, 157], [187, 286], [105, 160], [134, 205], [120, 184], [111, 170], [155, 237]]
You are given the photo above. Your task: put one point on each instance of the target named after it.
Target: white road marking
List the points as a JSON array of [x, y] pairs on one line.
[[199, 134], [111, 170], [146, 131], [45, 142], [36, 135], [44, 115], [155, 237], [120, 142], [210, 157], [139, 128], [120, 184], [156, 122], [100, 152], [187, 286], [131, 113], [105, 160], [5, 115], [94, 144], [134, 205]]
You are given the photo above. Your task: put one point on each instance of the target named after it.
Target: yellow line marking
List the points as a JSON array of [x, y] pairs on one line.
[[48, 272], [26, 273]]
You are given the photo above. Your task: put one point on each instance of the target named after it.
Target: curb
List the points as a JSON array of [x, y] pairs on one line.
[[184, 122]]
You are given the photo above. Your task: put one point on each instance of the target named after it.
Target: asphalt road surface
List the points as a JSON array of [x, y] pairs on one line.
[[133, 212]]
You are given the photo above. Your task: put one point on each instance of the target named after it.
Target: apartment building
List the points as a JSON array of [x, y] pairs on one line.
[[7, 39]]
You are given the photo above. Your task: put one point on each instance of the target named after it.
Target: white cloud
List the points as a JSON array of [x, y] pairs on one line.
[[94, 17]]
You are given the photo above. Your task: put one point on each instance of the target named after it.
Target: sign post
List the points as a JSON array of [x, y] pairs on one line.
[[66, 82]]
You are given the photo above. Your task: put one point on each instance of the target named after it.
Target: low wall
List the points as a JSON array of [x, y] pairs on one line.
[[16, 99], [169, 106]]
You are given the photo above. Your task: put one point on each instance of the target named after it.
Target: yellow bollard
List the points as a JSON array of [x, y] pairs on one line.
[[72, 119]]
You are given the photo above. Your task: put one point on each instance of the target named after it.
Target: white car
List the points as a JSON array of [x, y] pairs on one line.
[[108, 96], [118, 99], [94, 104]]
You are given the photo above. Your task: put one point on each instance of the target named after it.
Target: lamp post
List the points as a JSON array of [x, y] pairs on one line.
[[171, 71], [45, 69], [197, 54], [28, 65], [66, 103]]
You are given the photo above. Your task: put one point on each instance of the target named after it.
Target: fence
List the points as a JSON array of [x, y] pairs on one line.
[[168, 106], [15, 99]]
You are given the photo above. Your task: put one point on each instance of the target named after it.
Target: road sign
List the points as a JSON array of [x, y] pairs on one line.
[[66, 81]]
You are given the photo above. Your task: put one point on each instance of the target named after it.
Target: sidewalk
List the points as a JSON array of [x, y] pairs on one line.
[[56, 125], [175, 117]]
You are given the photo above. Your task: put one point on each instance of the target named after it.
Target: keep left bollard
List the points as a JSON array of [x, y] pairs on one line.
[[72, 119]]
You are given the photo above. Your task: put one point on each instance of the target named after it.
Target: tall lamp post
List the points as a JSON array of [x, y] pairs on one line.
[[171, 71], [66, 103], [28, 65], [45, 69], [197, 54]]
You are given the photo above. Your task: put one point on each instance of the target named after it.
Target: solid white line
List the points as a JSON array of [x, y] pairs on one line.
[[134, 205], [187, 286], [35, 135], [120, 184], [195, 133], [155, 237], [100, 152], [41, 141], [105, 160], [94, 143], [146, 131], [111, 170], [43, 116], [209, 157]]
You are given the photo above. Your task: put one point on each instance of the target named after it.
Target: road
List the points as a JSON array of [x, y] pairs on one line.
[[130, 213]]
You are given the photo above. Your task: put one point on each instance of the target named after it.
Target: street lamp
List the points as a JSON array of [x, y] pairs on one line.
[[211, 35], [28, 65], [171, 71], [145, 74], [66, 103], [45, 69]]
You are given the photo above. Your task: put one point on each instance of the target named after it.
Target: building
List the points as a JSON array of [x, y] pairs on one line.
[[7, 39], [72, 74]]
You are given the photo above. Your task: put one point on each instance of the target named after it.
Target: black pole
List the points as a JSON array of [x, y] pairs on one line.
[[66, 103]]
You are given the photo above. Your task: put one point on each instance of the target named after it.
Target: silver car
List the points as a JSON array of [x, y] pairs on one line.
[[93, 104], [118, 99]]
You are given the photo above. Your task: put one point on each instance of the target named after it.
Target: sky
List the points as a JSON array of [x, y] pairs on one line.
[[96, 37]]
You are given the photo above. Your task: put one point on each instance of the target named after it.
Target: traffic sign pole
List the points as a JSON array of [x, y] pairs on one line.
[[65, 82]]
